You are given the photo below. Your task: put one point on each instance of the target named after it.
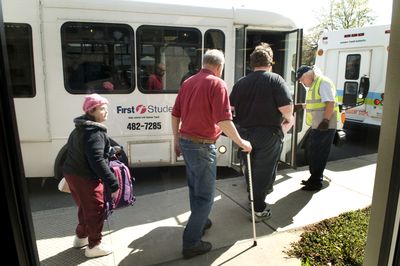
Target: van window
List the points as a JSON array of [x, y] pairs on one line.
[[97, 57], [353, 62], [20, 58], [166, 55]]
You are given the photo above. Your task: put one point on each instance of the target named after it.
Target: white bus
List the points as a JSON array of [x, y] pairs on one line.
[[60, 50], [351, 57]]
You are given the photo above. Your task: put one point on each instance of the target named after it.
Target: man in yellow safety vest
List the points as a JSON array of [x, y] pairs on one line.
[[322, 114]]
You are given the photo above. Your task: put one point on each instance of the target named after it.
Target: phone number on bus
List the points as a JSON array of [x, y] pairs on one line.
[[144, 126]]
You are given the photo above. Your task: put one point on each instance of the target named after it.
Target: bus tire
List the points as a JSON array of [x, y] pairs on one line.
[[59, 162]]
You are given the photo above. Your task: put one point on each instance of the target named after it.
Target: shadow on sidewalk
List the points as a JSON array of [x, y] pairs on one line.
[[286, 208]]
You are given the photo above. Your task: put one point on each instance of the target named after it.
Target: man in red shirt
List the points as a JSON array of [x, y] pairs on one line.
[[155, 81], [200, 114]]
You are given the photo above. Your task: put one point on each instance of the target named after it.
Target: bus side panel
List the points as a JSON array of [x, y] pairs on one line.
[[135, 120], [31, 113]]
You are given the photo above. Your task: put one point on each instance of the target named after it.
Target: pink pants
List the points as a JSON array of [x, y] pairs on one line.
[[88, 196]]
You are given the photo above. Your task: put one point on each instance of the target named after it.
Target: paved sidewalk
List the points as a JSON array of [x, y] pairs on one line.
[[150, 232]]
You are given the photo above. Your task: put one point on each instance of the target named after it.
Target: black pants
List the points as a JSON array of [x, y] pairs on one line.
[[318, 147], [267, 146]]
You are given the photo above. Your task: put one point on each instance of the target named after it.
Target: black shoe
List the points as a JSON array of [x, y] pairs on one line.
[[312, 187], [304, 182], [201, 248], [269, 190]]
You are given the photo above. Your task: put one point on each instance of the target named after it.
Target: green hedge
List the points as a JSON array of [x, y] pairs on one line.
[[335, 241]]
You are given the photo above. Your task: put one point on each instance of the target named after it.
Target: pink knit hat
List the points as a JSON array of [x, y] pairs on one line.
[[92, 101]]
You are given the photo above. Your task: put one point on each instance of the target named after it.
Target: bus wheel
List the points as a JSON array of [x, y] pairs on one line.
[[59, 162], [122, 155]]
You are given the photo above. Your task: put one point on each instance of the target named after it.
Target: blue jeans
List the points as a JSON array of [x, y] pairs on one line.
[[267, 147], [201, 172], [318, 147]]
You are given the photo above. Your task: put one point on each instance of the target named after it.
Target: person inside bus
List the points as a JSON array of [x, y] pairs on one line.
[[155, 81], [200, 114], [322, 114], [263, 110], [87, 172], [192, 69]]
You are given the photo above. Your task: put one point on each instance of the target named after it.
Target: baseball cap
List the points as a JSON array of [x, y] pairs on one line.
[[301, 70]]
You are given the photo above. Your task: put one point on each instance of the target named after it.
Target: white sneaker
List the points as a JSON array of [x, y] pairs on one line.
[[80, 242], [98, 251], [261, 216]]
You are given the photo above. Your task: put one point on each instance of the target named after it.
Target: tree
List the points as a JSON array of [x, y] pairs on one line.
[[342, 14]]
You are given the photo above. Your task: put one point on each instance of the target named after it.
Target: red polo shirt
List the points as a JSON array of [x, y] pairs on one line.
[[202, 102]]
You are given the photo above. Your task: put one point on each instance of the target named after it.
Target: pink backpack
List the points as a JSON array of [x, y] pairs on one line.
[[125, 195]]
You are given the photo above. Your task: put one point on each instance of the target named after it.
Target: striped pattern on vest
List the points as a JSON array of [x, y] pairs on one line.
[[315, 107]]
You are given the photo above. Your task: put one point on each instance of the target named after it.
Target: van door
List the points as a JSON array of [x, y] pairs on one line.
[[353, 65]]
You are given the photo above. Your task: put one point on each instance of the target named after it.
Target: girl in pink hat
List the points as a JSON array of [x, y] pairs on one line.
[[87, 172]]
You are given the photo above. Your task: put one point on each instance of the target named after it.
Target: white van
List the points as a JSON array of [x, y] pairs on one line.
[[353, 59]]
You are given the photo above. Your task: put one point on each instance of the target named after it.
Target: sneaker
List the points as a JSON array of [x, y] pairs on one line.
[[261, 216], [312, 187], [201, 248], [98, 251], [207, 226], [80, 242]]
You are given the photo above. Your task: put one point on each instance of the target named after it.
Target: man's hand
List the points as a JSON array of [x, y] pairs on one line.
[[287, 124], [246, 146], [177, 148], [324, 125]]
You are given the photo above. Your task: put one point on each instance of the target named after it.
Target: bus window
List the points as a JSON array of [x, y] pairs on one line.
[[20, 58], [165, 56], [215, 39], [353, 62], [97, 57]]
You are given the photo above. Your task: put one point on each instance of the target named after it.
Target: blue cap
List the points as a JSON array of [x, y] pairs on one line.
[[301, 70]]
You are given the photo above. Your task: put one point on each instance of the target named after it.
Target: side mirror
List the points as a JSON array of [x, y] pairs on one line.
[[364, 87]]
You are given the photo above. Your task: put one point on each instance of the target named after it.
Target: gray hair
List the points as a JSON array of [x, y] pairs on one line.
[[214, 57]]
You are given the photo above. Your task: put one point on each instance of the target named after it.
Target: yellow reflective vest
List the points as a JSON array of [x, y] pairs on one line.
[[315, 108]]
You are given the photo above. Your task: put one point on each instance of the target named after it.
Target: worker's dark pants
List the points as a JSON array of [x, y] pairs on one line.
[[318, 147]]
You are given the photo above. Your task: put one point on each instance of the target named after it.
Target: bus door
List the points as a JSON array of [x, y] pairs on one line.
[[240, 68], [291, 61], [286, 47], [351, 68]]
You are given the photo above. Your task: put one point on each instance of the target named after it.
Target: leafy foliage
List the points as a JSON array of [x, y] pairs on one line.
[[341, 14], [336, 241]]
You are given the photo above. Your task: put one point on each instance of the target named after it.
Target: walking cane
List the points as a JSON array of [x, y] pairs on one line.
[[251, 199]]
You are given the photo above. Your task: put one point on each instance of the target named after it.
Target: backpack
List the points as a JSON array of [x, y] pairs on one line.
[[125, 196]]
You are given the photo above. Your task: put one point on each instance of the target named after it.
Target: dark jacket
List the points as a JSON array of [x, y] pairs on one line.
[[88, 152]]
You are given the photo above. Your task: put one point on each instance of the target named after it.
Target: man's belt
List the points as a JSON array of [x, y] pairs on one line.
[[197, 140]]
